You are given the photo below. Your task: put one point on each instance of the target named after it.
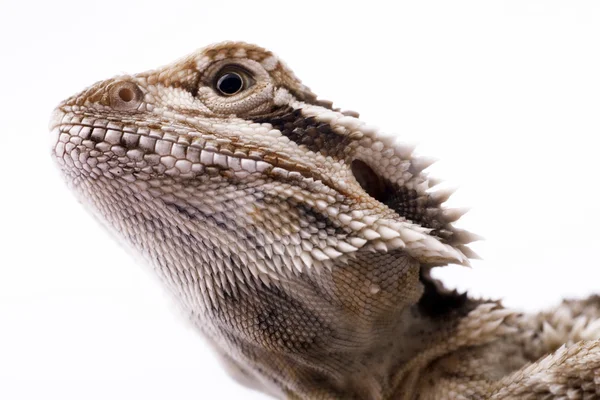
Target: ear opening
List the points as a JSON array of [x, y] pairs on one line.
[[373, 184], [407, 203]]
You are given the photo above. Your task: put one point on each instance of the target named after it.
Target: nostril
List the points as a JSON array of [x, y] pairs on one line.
[[372, 183], [126, 94]]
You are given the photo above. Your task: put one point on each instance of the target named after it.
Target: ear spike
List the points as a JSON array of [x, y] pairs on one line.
[[434, 244], [454, 214], [461, 236], [423, 186], [350, 113], [405, 150], [325, 103], [409, 236], [465, 263], [467, 251], [433, 181], [420, 163], [442, 195]]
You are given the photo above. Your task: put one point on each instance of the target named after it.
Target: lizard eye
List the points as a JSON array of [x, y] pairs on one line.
[[229, 83], [125, 95]]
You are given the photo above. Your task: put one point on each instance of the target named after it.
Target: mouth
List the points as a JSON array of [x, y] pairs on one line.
[[127, 147]]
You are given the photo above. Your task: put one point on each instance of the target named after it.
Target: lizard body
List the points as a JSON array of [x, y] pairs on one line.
[[300, 240]]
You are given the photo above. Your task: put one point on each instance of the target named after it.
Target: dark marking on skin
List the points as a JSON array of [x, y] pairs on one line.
[[320, 137], [307, 131], [321, 220], [287, 324], [268, 315], [437, 301], [188, 214], [409, 204], [406, 202]]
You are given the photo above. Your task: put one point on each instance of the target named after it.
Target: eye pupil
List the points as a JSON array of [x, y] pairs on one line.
[[126, 94], [230, 83]]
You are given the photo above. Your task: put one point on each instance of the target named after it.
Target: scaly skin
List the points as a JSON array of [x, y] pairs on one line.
[[300, 240]]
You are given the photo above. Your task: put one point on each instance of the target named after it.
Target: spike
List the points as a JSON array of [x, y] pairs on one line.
[[591, 331], [277, 262], [408, 235], [297, 263], [325, 103], [464, 237], [441, 195], [433, 181], [423, 186], [345, 247], [306, 259], [420, 163], [370, 234], [453, 214], [369, 129], [550, 335], [467, 251], [278, 248], [265, 279], [357, 242], [387, 233], [370, 219], [405, 149], [396, 243], [253, 269], [380, 246], [268, 251], [350, 113], [464, 262], [434, 244], [432, 212], [343, 260], [318, 254], [357, 225], [262, 267], [329, 265], [331, 252]]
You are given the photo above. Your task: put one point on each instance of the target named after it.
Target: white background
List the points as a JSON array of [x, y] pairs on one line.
[[506, 93]]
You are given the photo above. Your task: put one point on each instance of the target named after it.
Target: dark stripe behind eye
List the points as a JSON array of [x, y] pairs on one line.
[[316, 136]]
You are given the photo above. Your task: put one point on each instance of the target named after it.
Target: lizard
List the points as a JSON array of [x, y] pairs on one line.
[[300, 240]]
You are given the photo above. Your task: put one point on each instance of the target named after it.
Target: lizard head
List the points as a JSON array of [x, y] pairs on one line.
[[230, 175]]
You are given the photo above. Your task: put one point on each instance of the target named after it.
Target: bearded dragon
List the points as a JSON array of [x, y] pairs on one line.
[[300, 240]]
